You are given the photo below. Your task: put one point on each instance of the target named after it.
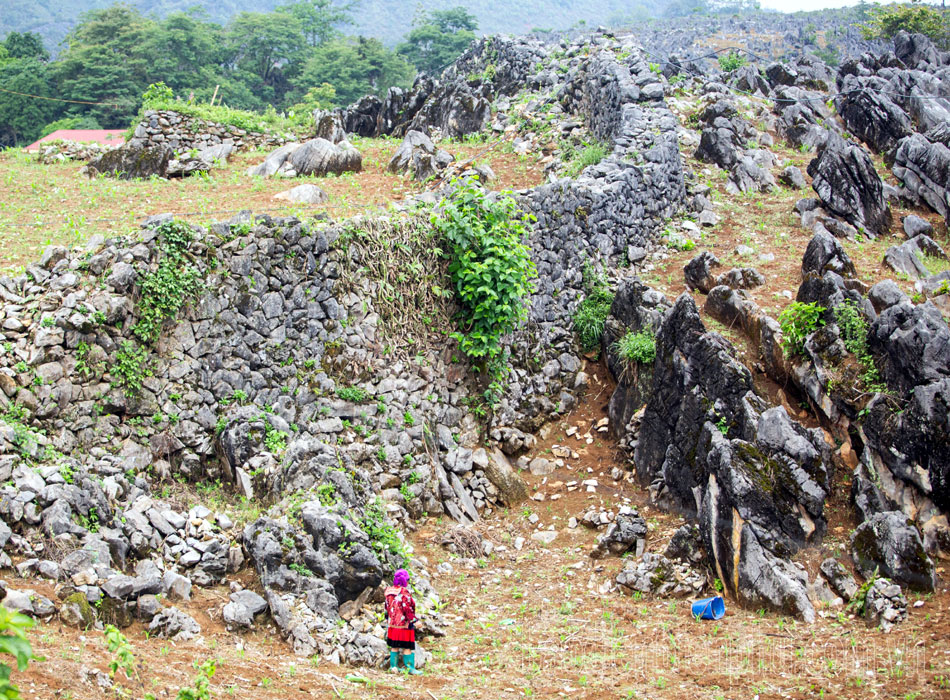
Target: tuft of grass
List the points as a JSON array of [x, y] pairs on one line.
[[591, 316], [636, 346], [591, 155]]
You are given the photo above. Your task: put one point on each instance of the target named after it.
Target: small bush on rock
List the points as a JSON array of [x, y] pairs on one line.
[[166, 290], [131, 367], [353, 394], [636, 346], [885, 22], [383, 536], [731, 61], [798, 321], [491, 270]]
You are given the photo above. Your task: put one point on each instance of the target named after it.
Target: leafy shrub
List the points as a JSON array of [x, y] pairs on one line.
[[353, 394], [384, 538], [13, 641], [853, 327], [201, 688], [592, 313], [491, 270], [731, 61], [636, 346], [326, 494], [859, 600], [160, 97], [798, 321], [885, 22], [131, 367]]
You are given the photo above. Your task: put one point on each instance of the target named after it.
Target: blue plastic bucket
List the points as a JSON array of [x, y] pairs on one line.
[[709, 608]]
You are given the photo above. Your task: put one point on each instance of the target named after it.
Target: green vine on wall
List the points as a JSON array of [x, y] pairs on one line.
[[491, 270], [163, 293]]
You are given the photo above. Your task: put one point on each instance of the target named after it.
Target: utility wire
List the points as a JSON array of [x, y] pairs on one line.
[[59, 99]]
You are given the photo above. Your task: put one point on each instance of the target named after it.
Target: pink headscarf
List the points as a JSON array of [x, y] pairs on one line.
[[401, 578]]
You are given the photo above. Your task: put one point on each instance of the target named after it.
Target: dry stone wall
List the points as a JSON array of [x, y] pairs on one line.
[[182, 132]]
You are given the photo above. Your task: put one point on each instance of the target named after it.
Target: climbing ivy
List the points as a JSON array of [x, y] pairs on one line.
[[491, 270], [854, 333], [167, 289], [162, 294]]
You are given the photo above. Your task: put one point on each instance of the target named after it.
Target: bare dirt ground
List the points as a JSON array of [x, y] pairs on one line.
[[533, 622], [45, 204]]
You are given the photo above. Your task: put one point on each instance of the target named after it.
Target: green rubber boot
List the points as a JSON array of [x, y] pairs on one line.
[[394, 661], [410, 660]]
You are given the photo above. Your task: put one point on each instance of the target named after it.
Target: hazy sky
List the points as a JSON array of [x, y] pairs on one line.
[[805, 5]]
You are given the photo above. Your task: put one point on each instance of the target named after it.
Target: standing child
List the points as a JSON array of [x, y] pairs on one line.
[[401, 612]]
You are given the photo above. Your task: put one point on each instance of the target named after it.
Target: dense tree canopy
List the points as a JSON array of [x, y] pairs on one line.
[[438, 38], [356, 68], [293, 58]]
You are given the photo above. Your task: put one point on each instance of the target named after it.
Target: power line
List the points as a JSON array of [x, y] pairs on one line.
[[59, 99]]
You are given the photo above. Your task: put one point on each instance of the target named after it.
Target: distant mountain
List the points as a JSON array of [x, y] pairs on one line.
[[387, 20]]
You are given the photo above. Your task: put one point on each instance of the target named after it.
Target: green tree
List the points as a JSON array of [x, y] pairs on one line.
[[438, 38], [107, 61], [22, 117], [26, 45], [187, 54], [355, 68], [264, 52], [885, 22], [320, 20]]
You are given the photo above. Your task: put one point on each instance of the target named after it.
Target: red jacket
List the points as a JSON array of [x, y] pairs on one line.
[[400, 607]]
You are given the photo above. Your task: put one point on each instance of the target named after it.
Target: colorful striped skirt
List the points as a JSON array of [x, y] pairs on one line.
[[401, 638]]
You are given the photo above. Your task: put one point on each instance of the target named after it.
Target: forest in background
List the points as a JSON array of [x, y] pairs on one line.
[[386, 20], [295, 58]]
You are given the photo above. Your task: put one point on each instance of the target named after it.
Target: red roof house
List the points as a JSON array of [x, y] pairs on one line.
[[107, 137]]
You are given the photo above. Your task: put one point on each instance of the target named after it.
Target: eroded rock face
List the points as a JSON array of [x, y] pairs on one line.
[[132, 161], [872, 117], [823, 254], [315, 157], [908, 257], [888, 543], [924, 168], [755, 480], [418, 156], [844, 178], [636, 308], [321, 157]]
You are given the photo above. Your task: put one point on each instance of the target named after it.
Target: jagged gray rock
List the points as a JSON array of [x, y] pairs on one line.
[[889, 544], [844, 178], [627, 533], [418, 156]]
